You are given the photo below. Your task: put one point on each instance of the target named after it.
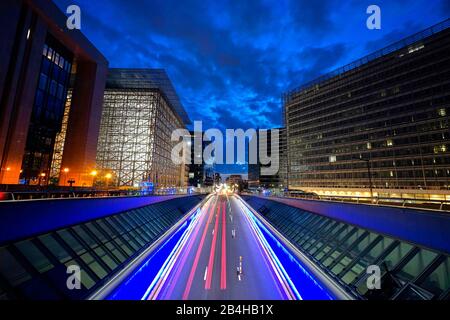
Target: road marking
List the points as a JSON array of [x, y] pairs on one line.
[[206, 273], [212, 253], [197, 256], [190, 241], [223, 278]]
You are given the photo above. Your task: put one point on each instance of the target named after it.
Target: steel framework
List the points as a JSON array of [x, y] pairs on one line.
[[139, 116]]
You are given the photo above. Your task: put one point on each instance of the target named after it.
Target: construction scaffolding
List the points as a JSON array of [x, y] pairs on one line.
[[137, 123], [58, 150]]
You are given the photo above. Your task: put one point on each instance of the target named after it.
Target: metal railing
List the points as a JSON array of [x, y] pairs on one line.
[[429, 204]]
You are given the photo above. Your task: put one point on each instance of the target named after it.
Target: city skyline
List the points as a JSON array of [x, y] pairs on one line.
[[231, 70]]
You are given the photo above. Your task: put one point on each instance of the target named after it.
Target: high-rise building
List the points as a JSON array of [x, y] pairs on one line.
[[141, 110], [283, 170], [378, 125], [200, 171], [39, 56], [256, 178]]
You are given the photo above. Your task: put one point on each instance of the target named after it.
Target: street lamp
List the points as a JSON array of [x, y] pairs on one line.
[[108, 177], [41, 176], [66, 171], [367, 161]]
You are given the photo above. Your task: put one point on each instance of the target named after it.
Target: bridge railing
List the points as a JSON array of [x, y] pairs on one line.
[[429, 204]]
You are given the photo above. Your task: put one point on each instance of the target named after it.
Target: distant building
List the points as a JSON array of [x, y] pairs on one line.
[[217, 178], [381, 122], [38, 57], [141, 110], [256, 178], [235, 179], [200, 173]]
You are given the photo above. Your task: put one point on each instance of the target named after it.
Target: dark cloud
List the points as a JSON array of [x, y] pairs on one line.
[[231, 61]]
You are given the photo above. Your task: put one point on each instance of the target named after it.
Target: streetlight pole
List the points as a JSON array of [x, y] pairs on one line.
[[367, 161]]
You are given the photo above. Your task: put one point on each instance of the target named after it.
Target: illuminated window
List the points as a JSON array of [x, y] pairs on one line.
[[390, 143], [369, 146], [333, 159], [442, 112]]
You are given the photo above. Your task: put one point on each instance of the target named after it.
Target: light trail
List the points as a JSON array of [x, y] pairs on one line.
[[197, 257], [212, 251], [223, 278]]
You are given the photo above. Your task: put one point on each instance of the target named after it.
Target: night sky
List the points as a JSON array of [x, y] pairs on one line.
[[230, 61]]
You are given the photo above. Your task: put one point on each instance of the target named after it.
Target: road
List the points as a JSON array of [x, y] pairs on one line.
[[221, 257]]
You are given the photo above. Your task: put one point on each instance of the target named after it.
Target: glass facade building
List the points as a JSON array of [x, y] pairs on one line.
[[48, 111], [40, 57], [388, 112], [345, 251], [140, 112]]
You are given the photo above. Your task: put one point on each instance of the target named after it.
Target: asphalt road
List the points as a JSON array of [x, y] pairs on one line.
[[221, 258]]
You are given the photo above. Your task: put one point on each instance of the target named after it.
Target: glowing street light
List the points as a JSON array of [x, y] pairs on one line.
[[94, 173], [66, 171], [108, 177]]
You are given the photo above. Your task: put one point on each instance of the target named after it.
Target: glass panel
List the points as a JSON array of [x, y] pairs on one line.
[[94, 265], [417, 264], [85, 237], [106, 258], [100, 235], [11, 269], [112, 248], [399, 252], [369, 258], [34, 256], [55, 248], [439, 280], [72, 242]]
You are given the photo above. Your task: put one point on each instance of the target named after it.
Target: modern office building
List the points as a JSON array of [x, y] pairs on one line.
[[39, 56], [379, 124], [141, 110], [283, 173], [256, 177], [201, 173]]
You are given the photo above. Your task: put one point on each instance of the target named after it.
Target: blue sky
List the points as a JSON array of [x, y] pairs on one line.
[[231, 61]]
